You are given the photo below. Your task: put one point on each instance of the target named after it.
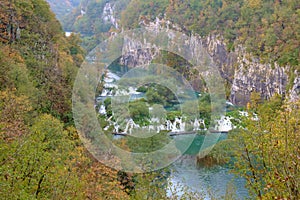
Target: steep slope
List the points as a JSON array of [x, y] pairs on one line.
[[30, 31], [63, 7], [254, 43], [41, 154], [95, 19]]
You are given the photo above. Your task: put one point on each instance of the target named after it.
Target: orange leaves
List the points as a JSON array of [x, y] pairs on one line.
[[102, 182], [13, 110], [254, 3]]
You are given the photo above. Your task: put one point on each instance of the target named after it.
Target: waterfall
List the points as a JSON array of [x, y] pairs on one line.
[[102, 110]]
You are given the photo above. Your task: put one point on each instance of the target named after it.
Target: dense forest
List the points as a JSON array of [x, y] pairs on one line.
[[41, 154], [268, 29]]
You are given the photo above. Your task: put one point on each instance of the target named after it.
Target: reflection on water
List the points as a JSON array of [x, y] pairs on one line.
[[205, 180], [185, 171], [208, 181], [212, 180]]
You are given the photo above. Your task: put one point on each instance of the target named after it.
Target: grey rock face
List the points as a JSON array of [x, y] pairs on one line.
[[135, 53], [243, 72], [108, 15], [255, 77], [295, 91]]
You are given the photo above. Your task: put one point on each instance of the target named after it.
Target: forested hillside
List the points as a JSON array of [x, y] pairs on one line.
[[95, 20], [63, 7], [261, 37], [266, 151], [268, 29], [40, 154]]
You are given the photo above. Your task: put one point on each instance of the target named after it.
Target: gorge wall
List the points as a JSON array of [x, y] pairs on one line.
[[242, 72]]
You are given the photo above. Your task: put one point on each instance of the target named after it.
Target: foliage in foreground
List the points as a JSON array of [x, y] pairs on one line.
[[267, 151], [41, 156]]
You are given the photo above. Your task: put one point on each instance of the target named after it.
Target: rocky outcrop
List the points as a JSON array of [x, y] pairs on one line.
[[295, 91], [137, 53], [245, 73], [252, 76], [242, 71], [108, 15]]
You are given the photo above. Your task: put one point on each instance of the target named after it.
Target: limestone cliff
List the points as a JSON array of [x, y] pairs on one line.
[[242, 72]]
